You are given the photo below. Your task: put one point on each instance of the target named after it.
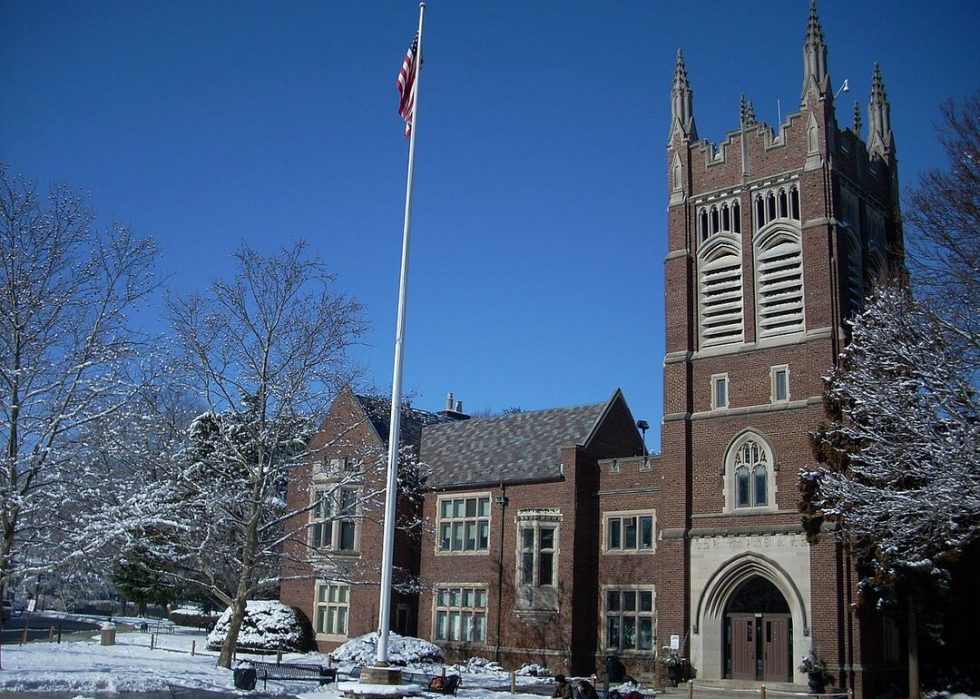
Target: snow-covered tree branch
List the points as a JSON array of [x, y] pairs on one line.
[[68, 356]]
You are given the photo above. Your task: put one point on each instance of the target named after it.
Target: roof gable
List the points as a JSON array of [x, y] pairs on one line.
[[378, 412]]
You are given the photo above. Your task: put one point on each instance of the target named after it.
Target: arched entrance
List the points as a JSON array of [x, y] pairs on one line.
[[758, 633]]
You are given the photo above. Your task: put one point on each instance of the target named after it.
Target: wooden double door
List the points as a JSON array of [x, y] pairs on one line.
[[759, 647]]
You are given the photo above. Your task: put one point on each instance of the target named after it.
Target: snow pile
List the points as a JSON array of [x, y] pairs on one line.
[[269, 625], [533, 670], [402, 650]]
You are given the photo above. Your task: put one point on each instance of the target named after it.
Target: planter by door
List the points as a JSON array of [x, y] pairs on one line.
[[816, 683]]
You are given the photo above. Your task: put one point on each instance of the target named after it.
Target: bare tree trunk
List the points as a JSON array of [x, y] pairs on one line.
[[914, 691], [244, 589], [231, 640]]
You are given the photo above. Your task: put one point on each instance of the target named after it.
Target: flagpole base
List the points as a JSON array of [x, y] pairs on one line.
[[379, 682], [378, 674]]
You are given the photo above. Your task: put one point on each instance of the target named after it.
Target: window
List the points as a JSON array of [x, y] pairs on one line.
[[629, 532], [460, 614], [628, 619], [340, 466], [332, 609], [719, 391], [769, 208], [464, 524], [853, 272], [780, 383], [750, 465], [537, 544], [334, 519]]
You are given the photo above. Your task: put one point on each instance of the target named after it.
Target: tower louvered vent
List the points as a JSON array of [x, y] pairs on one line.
[[720, 278], [780, 286]]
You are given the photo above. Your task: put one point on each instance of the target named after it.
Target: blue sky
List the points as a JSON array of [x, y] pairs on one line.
[[539, 230]]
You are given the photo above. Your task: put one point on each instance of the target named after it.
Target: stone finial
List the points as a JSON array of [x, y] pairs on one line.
[[682, 102], [881, 141], [815, 74]]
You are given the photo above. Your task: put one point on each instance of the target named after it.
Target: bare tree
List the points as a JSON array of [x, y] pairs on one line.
[[69, 355], [942, 218], [266, 352]]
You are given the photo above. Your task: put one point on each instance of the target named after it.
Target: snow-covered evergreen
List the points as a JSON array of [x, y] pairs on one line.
[[902, 452]]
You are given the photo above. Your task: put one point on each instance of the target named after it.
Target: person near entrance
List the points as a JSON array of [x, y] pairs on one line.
[[615, 670], [584, 690], [563, 689]]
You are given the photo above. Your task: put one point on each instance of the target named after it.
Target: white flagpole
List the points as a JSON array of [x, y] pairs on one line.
[[396, 383]]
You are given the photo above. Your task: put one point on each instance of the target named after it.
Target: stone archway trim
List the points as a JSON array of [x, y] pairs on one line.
[[723, 582]]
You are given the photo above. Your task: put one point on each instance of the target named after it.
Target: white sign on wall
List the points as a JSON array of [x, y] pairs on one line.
[[675, 642]]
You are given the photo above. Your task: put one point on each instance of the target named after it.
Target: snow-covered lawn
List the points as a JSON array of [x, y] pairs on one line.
[[86, 667]]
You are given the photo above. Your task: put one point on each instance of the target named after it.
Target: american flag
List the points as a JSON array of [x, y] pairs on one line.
[[406, 85]]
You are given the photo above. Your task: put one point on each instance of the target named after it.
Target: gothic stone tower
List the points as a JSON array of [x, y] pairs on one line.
[[774, 238]]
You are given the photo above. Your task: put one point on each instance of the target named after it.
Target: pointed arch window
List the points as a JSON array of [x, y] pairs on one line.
[[794, 201], [854, 272], [749, 473], [736, 217], [703, 225]]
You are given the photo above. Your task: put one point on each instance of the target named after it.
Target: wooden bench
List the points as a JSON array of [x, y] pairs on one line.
[[289, 672], [157, 627]]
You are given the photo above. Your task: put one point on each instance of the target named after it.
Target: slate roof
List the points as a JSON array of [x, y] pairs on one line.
[[378, 411], [509, 448]]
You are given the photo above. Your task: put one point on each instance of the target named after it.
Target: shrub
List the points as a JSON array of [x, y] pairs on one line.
[[402, 650], [268, 626]]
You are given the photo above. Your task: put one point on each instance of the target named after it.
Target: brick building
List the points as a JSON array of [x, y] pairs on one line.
[[340, 492], [551, 537]]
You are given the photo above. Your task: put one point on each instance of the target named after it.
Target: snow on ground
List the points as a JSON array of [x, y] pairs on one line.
[[85, 666]]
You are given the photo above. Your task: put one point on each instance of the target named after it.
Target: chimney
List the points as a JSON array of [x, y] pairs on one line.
[[453, 412]]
